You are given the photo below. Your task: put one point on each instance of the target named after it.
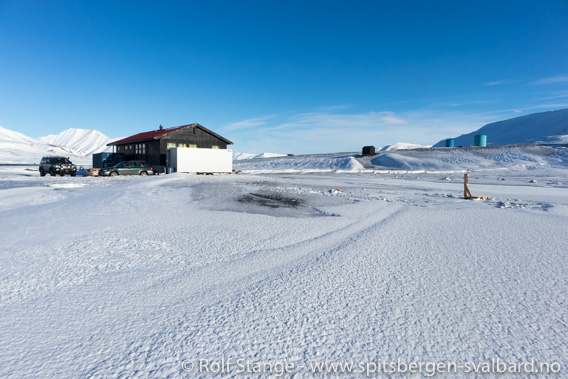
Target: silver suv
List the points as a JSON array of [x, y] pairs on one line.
[[57, 165]]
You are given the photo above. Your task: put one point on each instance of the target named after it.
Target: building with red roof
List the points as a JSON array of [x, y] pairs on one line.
[[152, 146]]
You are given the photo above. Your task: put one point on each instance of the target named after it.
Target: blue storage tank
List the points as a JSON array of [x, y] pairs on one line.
[[480, 140], [450, 142]]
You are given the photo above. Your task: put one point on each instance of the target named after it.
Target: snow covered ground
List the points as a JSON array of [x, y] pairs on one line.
[[421, 160], [310, 260]]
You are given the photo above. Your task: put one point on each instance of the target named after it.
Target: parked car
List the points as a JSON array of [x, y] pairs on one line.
[[55, 165], [128, 168]]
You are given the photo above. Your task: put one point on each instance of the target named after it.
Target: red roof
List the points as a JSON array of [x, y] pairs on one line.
[[148, 135]]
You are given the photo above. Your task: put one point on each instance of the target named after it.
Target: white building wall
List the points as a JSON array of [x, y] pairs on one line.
[[195, 160]]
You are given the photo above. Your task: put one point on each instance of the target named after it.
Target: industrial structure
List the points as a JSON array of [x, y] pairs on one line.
[[368, 151]]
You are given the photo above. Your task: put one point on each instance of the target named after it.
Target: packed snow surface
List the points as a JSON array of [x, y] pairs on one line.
[[146, 276]]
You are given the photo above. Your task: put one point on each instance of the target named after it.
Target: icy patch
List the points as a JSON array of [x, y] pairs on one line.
[[264, 198], [270, 200], [67, 185]]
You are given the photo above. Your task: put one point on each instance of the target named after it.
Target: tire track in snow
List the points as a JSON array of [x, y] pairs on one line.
[[378, 296], [218, 286]]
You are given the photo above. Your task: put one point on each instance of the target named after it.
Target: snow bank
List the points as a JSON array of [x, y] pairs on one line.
[[482, 158], [300, 163], [239, 156], [403, 146], [457, 159]]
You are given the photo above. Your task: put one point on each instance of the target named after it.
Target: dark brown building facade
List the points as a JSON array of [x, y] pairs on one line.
[[152, 146]]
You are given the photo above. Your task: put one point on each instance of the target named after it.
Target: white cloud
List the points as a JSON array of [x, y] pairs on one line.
[[551, 106], [552, 80], [249, 123], [500, 82], [335, 107], [475, 102], [326, 132], [390, 118], [334, 121], [555, 95]]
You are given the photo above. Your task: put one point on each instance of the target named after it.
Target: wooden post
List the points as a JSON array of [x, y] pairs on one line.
[[466, 193]]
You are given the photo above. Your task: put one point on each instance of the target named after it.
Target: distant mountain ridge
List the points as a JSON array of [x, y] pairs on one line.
[[82, 141], [78, 144], [543, 127]]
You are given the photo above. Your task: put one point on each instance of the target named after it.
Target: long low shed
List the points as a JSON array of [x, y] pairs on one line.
[[196, 160]]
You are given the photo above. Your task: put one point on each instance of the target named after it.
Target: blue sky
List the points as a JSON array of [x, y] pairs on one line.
[[281, 76]]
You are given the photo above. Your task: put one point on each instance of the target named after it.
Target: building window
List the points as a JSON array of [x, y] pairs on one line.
[[171, 144], [182, 144], [193, 145], [214, 147]]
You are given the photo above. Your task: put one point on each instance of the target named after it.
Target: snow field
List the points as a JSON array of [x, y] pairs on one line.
[[130, 276], [422, 160]]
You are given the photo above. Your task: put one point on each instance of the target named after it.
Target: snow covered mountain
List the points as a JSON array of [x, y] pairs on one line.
[[547, 127], [82, 141], [78, 144]]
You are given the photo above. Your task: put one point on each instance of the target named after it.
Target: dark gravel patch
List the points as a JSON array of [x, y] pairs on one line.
[[270, 200]]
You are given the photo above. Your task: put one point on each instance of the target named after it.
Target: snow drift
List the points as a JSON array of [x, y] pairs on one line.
[[313, 162], [403, 146], [239, 156]]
